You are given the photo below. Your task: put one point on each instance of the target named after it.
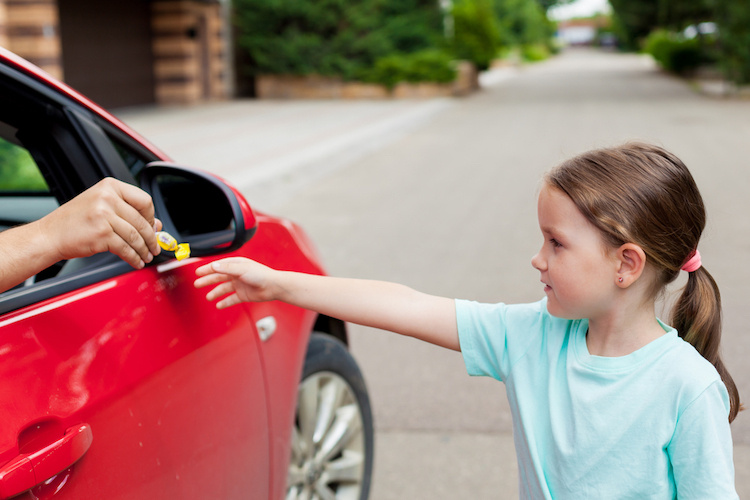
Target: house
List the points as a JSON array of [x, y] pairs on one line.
[[580, 31], [125, 53]]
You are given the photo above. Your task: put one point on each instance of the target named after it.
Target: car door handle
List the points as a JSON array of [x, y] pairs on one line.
[[29, 469]]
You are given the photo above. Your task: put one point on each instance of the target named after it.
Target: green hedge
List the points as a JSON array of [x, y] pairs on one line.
[[674, 53], [431, 65], [18, 172], [733, 20], [476, 33], [330, 37]]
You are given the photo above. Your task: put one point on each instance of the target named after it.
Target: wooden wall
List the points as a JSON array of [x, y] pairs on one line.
[[30, 28]]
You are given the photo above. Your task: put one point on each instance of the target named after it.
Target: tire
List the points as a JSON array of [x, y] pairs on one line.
[[332, 437]]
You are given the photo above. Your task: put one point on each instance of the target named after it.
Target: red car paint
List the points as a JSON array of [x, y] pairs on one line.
[[136, 387]]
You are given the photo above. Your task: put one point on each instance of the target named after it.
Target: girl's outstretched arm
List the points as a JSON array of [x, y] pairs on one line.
[[379, 304]]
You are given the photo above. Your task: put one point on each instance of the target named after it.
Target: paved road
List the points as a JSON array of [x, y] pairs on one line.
[[440, 195]]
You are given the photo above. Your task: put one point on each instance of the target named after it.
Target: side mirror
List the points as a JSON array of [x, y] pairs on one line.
[[198, 208]]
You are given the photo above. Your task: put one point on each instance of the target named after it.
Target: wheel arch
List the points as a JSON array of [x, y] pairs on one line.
[[333, 327]]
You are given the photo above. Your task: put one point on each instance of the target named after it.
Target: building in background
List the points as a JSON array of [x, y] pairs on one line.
[[125, 53]]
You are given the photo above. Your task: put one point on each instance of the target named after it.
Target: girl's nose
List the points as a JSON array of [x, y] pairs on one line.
[[537, 262]]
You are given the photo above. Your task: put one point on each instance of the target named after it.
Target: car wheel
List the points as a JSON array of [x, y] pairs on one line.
[[332, 437]]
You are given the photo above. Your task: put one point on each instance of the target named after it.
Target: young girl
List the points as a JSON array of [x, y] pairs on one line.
[[607, 401]]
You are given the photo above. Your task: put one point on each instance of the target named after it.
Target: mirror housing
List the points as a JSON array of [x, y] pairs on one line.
[[197, 208]]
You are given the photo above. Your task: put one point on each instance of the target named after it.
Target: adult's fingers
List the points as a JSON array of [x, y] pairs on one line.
[[135, 197], [118, 246], [141, 231], [127, 235]]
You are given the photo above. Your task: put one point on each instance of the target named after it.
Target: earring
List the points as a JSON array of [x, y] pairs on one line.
[[619, 279]]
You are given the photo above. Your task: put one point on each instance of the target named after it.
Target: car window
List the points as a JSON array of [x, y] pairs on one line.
[[51, 149], [24, 194], [133, 160], [18, 171]]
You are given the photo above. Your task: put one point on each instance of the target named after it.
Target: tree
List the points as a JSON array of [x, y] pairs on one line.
[[733, 19], [330, 37], [635, 19], [522, 22], [476, 35]]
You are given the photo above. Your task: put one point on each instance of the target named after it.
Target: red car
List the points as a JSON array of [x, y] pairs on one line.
[[127, 384]]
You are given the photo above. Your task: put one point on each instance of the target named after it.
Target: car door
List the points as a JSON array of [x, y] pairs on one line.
[[115, 383]]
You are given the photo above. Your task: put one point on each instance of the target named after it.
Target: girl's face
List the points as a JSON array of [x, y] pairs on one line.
[[578, 270]]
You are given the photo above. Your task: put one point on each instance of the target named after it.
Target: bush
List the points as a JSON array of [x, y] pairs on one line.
[[523, 22], [674, 53], [330, 37], [535, 52], [476, 35], [733, 18], [430, 65], [18, 172]]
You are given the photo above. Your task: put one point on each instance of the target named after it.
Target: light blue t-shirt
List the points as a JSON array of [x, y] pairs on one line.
[[649, 425]]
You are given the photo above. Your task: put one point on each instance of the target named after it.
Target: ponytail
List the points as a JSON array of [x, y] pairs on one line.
[[697, 318]]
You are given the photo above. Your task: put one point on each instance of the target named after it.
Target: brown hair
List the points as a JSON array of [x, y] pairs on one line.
[[645, 195]]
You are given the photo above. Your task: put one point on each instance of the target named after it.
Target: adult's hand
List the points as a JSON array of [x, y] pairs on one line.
[[111, 216]]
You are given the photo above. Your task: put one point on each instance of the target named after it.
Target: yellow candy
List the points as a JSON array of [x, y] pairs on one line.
[[169, 243], [183, 251], [166, 241]]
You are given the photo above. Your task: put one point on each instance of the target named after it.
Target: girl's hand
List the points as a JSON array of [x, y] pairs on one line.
[[239, 279], [378, 304]]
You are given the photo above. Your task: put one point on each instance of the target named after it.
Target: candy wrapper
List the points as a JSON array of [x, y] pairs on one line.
[[169, 243]]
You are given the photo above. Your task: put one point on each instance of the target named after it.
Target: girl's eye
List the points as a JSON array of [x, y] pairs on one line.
[[555, 243]]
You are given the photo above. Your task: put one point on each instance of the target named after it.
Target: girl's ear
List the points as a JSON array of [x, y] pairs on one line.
[[631, 261]]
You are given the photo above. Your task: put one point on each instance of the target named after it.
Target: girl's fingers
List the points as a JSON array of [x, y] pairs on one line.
[[221, 290], [210, 279], [217, 266], [205, 270], [230, 301]]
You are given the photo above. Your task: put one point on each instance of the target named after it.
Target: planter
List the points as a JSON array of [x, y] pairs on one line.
[[319, 87]]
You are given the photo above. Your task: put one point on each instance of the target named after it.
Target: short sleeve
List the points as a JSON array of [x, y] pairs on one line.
[[493, 336], [701, 448]]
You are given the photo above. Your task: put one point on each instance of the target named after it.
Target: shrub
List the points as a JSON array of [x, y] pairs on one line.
[[674, 53], [18, 172], [330, 37], [476, 34], [535, 52], [733, 18], [429, 65]]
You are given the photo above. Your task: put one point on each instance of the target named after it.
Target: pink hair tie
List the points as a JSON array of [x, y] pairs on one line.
[[693, 263]]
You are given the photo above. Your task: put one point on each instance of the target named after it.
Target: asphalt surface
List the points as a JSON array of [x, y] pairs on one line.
[[440, 195]]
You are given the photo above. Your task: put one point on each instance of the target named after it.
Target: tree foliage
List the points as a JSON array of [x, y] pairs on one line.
[[523, 22], [331, 37], [18, 172], [476, 35], [350, 38], [634, 20], [733, 20]]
